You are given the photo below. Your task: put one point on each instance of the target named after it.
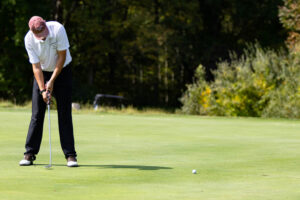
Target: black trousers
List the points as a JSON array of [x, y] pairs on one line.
[[62, 91]]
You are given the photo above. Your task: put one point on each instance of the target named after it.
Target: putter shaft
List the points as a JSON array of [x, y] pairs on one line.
[[50, 161]]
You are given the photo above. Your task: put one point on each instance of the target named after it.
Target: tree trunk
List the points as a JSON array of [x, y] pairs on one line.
[[156, 11], [91, 75], [166, 76], [57, 11], [70, 11]]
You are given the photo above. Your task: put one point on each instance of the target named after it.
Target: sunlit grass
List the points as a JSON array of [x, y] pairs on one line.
[[151, 156]]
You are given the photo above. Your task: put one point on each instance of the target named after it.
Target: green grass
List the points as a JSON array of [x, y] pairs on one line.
[[150, 157]]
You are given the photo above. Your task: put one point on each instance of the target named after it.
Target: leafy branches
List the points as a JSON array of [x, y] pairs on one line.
[[289, 15], [260, 83]]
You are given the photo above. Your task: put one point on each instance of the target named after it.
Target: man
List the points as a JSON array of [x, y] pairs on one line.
[[47, 46]]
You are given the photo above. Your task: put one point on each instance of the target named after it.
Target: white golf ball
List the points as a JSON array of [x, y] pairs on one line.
[[194, 171]]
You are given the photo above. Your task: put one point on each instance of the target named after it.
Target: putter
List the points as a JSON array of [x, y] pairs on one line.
[[48, 105]]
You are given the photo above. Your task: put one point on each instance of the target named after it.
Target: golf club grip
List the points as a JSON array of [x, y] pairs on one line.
[[48, 97]]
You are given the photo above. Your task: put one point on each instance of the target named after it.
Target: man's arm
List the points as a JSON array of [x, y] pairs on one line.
[[59, 66], [39, 77]]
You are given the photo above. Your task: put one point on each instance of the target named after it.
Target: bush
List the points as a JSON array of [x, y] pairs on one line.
[[285, 99], [196, 99], [259, 83]]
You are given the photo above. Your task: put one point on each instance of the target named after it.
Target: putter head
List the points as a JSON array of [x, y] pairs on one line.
[[48, 166]]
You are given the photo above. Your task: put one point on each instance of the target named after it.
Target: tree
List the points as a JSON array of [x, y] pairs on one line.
[[289, 15], [144, 50], [15, 70]]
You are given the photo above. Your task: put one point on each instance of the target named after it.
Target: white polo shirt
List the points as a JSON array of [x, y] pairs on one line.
[[45, 51]]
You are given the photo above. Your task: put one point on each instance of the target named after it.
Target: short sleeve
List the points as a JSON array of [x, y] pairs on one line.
[[62, 39], [33, 58]]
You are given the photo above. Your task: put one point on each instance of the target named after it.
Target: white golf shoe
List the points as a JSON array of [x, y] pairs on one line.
[[27, 160], [72, 162]]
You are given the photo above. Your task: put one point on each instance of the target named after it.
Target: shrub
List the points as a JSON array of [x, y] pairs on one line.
[[285, 99], [196, 100], [259, 83]]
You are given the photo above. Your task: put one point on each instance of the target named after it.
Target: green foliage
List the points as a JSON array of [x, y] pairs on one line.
[[259, 83], [289, 15], [15, 70], [196, 99], [285, 100], [143, 50]]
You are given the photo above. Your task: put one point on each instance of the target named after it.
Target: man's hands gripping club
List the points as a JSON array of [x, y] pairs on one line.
[[45, 89], [48, 93], [38, 74]]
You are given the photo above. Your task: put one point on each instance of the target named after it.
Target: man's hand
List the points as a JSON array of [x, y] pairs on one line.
[[46, 95]]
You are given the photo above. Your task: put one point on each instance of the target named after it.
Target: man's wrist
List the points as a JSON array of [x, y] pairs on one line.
[[42, 91]]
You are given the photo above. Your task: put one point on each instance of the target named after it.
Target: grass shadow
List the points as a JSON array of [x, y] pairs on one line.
[[139, 167]]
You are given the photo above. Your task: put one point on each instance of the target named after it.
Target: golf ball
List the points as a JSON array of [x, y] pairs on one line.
[[194, 171]]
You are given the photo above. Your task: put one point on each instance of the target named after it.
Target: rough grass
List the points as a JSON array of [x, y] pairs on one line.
[[133, 156], [88, 108]]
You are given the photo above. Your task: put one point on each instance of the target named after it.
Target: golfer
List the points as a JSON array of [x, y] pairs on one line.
[[47, 46]]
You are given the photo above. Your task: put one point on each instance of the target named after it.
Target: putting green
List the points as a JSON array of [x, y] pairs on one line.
[[151, 157]]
